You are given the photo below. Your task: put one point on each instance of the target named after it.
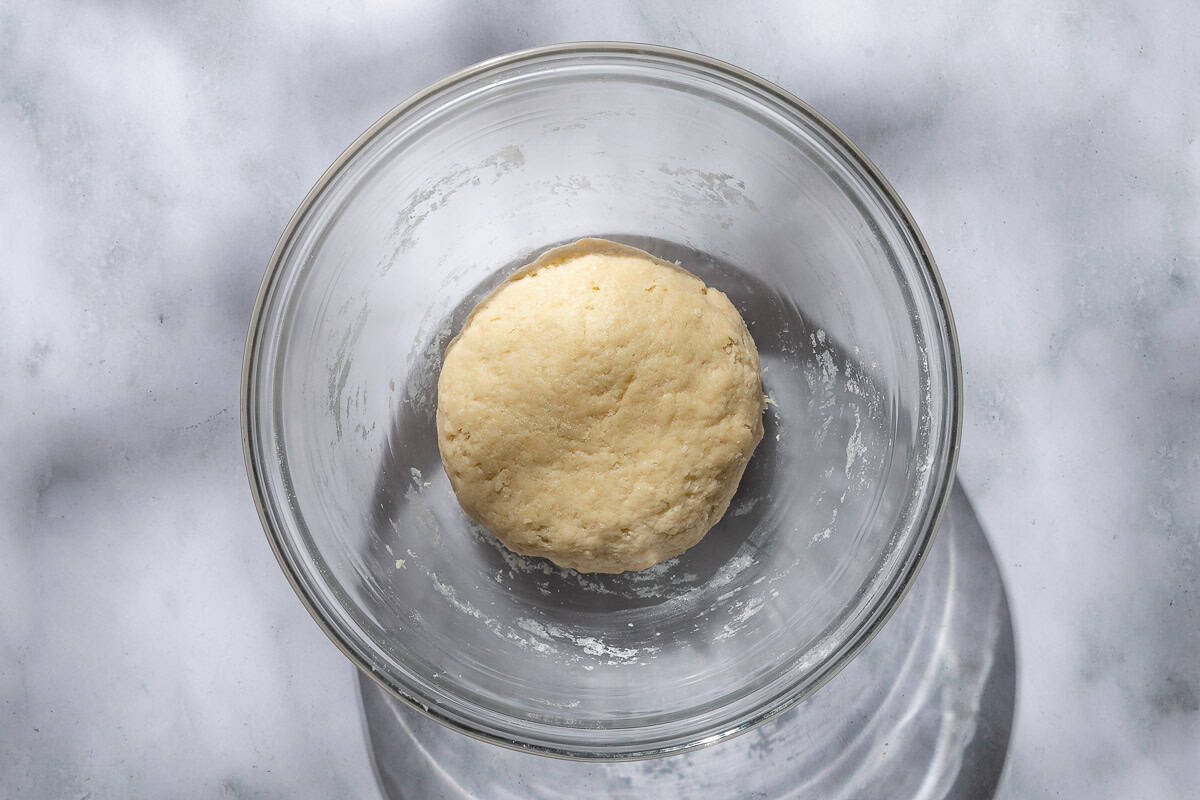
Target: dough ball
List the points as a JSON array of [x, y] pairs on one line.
[[598, 409]]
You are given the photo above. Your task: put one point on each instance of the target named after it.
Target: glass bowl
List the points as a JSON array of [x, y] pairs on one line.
[[694, 161]]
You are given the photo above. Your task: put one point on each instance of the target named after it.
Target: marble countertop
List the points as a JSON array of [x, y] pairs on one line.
[[151, 154]]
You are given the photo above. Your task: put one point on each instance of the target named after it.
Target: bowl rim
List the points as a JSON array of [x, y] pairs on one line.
[[938, 503]]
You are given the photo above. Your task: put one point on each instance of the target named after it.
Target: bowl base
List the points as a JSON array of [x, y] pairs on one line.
[[925, 710]]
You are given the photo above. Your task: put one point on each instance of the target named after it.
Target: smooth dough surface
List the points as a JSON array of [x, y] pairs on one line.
[[599, 408]]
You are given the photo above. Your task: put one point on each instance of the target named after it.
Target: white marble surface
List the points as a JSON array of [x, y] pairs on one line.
[[151, 154]]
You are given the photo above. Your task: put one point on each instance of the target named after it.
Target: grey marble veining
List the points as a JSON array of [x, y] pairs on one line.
[[150, 155]]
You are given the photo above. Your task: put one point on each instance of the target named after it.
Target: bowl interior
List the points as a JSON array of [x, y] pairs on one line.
[[692, 161]]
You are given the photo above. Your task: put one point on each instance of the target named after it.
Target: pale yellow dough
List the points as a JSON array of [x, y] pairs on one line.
[[599, 408]]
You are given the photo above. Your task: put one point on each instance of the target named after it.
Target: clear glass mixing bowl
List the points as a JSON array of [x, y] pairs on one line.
[[692, 160]]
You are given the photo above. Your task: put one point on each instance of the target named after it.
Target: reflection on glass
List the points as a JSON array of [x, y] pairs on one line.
[[924, 711]]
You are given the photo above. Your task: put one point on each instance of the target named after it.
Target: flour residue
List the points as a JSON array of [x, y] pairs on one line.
[[848, 418], [854, 446], [719, 188], [586, 647], [745, 507], [588, 644], [828, 530], [731, 569], [339, 369], [493, 625], [740, 613], [431, 197], [546, 638]]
